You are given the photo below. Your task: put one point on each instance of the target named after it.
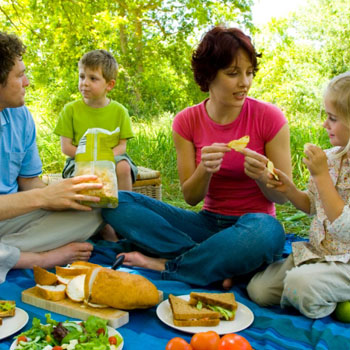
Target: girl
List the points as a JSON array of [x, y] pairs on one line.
[[315, 276]]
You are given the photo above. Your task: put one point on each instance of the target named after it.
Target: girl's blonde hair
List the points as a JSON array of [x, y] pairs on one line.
[[338, 94]]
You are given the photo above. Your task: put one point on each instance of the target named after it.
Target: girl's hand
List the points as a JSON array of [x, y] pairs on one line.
[[255, 166], [212, 156], [315, 160], [283, 185]]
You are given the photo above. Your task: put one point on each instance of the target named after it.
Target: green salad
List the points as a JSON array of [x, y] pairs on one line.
[[91, 334]]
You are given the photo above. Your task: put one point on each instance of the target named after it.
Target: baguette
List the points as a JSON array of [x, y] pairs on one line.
[[120, 290]]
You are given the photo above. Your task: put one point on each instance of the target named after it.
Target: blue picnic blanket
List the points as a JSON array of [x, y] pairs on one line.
[[273, 328]]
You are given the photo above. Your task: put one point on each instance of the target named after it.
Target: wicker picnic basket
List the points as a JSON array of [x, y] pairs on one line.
[[148, 182]]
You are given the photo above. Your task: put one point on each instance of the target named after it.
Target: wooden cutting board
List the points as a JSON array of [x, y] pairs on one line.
[[116, 318]]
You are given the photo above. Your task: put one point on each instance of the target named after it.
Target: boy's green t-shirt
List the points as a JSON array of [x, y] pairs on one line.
[[76, 117]]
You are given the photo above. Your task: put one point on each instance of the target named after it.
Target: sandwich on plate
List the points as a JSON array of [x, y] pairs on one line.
[[224, 303], [186, 315], [7, 309]]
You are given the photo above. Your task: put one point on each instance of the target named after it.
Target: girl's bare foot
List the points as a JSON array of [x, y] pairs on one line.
[[108, 234], [66, 254], [227, 283], [140, 260]]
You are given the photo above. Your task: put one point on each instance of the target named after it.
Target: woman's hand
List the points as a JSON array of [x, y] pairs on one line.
[[255, 166], [315, 160], [212, 156]]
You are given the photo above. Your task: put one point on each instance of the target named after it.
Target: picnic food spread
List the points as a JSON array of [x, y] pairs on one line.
[[239, 144], [89, 334]]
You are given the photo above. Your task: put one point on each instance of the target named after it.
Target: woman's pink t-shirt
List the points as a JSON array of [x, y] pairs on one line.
[[231, 192]]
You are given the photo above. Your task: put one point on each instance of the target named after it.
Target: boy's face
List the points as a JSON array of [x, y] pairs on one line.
[[92, 85], [13, 91]]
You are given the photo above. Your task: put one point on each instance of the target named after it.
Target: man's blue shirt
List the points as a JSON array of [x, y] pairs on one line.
[[19, 155]]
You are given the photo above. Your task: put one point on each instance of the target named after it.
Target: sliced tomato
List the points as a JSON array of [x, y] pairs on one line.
[[22, 338], [112, 340]]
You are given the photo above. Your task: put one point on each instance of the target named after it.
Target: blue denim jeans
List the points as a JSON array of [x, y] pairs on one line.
[[201, 248]]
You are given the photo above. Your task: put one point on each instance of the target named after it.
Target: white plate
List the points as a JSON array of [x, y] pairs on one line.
[[243, 319], [111, 331], [11, 325]]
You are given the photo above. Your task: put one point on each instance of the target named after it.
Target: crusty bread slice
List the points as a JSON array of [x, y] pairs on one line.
[[205, 322], [44, 277], [55, 293], [75, 288], [79, 263], [225, 300], [70, 272], [8, 313], [185, 314]]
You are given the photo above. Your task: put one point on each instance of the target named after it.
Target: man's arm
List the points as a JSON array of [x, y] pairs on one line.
[[59, 196]]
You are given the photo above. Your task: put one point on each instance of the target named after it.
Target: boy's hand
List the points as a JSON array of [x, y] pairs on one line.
[[64, 195], [315, 160], [212, 156]]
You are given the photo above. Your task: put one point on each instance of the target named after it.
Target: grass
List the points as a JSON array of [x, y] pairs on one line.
[[153, 147]]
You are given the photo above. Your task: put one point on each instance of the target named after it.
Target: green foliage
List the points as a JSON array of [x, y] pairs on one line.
[[152, 41]]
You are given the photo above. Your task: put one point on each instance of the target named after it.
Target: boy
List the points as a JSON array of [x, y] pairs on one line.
[[97, 76]]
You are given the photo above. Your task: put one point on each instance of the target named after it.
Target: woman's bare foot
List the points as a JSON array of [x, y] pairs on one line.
[[66, 254], [108, 234], [140, 260], [227, 283]]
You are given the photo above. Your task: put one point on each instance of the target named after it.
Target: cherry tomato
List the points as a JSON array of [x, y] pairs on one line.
[[205, 341], [112, 340], [22, 338], [234, 342], [100, 331], [178, 343], [57, 347]]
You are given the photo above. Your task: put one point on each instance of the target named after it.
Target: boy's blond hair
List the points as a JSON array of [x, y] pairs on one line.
[[101, 58], [338, 94]]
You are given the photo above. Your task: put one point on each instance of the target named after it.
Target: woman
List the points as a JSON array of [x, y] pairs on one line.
[[236, 232]]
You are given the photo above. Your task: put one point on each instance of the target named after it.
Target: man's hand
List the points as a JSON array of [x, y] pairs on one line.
[[65, 194]]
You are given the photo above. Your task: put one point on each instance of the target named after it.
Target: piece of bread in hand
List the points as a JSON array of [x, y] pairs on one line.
[[224, 303], [55, 293], [7, 308], [44, 277], [118, 289], [186, 315]]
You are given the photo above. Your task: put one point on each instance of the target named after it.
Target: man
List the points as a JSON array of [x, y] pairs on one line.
[[38, 223]]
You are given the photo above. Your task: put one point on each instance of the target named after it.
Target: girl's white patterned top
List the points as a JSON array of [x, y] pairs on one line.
[[328, 241]]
